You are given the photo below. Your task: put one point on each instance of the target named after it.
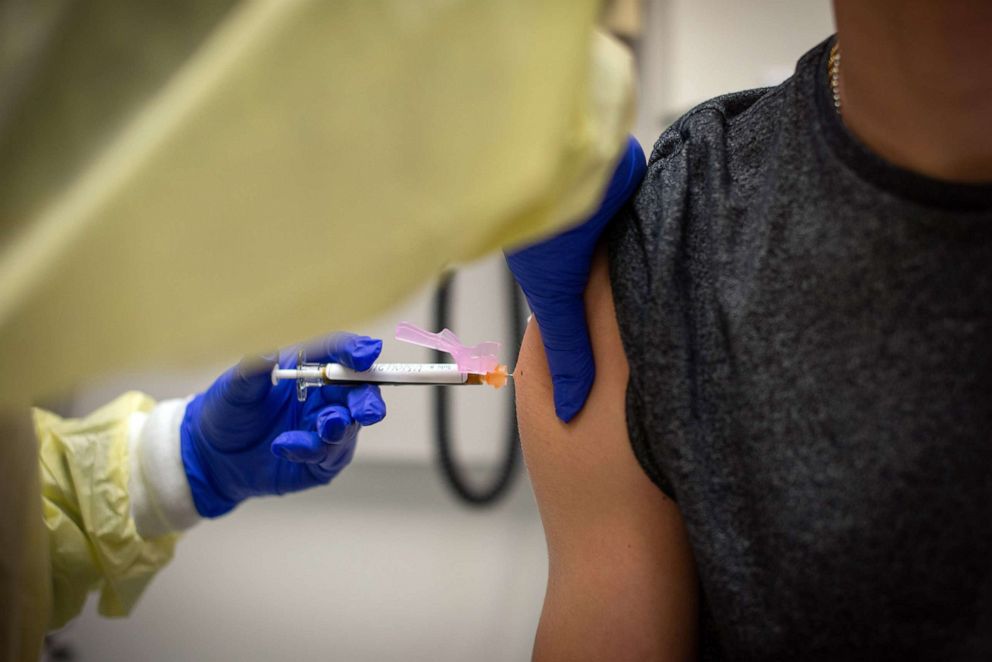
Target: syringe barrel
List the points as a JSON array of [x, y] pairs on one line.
[[380, 373], [397, 373]]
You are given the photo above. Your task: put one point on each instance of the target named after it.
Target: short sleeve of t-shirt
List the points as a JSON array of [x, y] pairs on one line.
[[653, 247], [644, 246]]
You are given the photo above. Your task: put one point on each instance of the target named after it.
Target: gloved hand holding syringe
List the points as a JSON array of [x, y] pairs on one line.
[[474, 365]]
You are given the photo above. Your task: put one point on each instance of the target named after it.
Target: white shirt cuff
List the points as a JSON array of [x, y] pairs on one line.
[[161, 501]]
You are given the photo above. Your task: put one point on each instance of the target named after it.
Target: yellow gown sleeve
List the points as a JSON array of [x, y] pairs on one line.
[[301, 167], [93, 543]]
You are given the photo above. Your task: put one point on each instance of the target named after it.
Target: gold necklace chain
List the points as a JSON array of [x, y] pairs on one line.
[[833, 71]]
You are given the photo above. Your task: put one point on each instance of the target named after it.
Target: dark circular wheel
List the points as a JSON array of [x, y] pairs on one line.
[[454, 476]]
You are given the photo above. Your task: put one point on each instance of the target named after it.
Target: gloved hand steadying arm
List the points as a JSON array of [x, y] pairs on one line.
[[246, 437], [553, 275]]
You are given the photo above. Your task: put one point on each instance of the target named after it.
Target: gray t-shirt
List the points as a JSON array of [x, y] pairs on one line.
[[809, 332]]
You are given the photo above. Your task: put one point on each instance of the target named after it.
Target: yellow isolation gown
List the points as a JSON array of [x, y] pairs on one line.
[[202, 177]]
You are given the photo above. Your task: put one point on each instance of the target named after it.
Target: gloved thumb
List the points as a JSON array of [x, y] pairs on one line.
[[250, 380], [569, 352]]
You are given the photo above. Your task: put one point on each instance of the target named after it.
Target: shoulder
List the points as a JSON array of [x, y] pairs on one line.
[[702, 175], [575, 453], [583, 456], [720, 143], [716, 117], [621, 582]]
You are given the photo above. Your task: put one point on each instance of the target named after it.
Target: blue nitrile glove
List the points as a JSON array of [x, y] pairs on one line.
[[246, 437], [553, 275]]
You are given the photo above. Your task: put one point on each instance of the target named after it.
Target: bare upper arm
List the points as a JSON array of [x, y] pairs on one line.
[[621, 580]]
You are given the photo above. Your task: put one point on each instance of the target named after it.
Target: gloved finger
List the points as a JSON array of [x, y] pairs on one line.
[[249, 381], [335, 394], [565, 336], [309, 448], [299, 446], [350, 350], [335, 461], [626, 178], [332, 423], [366, 404]]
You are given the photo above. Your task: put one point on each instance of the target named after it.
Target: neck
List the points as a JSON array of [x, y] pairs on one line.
[[916, 83]]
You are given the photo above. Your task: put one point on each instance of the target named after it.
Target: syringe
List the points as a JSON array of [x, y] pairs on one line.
[[308, 375]]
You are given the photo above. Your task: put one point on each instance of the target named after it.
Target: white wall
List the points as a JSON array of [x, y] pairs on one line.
[[711, 47]]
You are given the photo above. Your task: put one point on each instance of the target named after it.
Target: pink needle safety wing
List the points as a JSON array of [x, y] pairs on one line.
[[479, 359]]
